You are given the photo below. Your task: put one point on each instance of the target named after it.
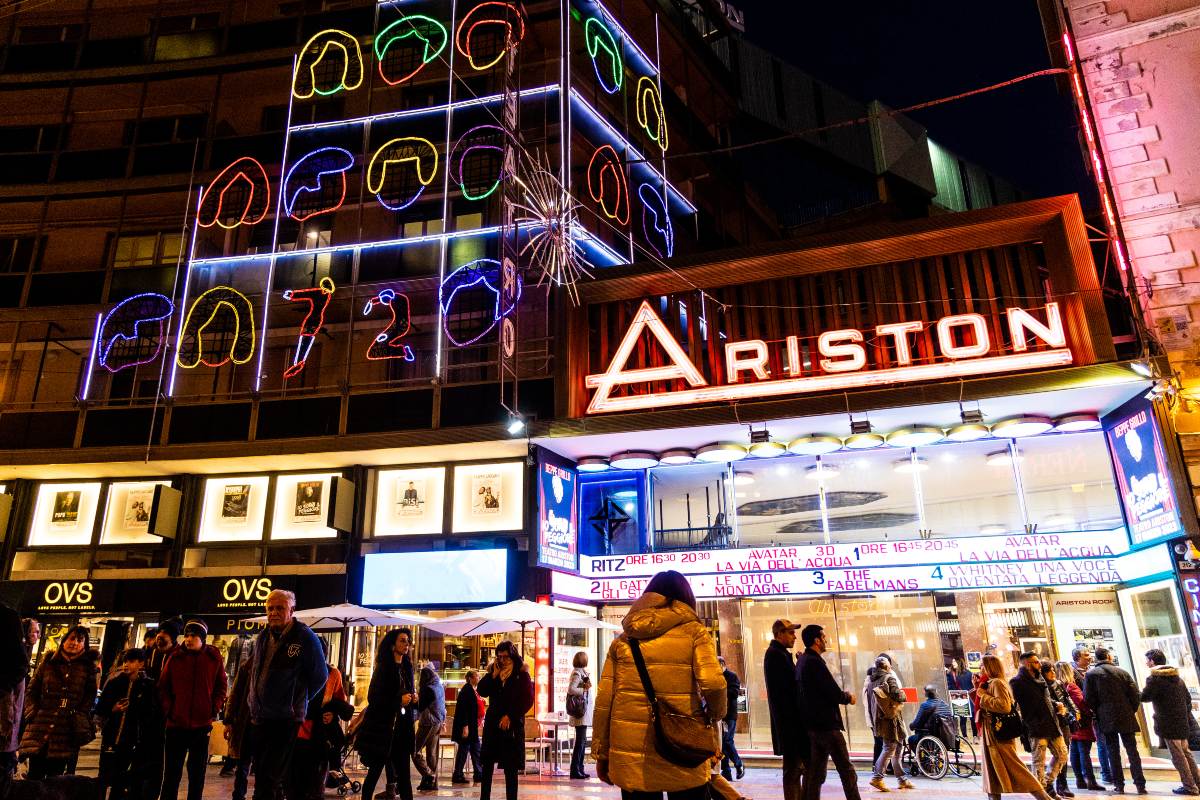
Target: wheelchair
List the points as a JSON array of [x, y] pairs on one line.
[[933, 759]]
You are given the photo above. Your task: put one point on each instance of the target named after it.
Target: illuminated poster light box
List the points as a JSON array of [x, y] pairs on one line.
[[302, 506], [444, 577], [234, 509], [65, 514], [489, 497], [410, 501], [127, 513]]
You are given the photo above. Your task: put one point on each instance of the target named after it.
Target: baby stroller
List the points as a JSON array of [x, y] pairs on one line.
[[337, 750]]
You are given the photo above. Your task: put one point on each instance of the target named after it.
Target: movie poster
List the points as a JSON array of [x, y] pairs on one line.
[[410, 497], [1143, 478], [235, 505], [66, 510], [138, 501], [309, 507], [557, 513], [485, 494]]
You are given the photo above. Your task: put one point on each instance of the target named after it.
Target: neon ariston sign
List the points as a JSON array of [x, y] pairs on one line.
[[965, 349]]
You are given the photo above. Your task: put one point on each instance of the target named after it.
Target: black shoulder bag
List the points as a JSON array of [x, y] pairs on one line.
[[682, 739]]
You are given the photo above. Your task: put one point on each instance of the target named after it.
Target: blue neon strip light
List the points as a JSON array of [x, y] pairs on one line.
[[87, 382], [634, 153], [418, 112], [347, 248]]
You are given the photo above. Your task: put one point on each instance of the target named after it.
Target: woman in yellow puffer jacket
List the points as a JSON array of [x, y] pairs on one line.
[[682, 662]]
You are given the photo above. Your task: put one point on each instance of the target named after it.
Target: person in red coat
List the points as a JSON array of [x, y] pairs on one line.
[[1084, 735], [192, 692]]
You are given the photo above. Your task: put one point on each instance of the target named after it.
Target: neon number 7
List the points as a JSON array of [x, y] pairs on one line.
[[386, 343]]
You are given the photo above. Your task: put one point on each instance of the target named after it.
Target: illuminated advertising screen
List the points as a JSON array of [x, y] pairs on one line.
[[430, 578], [1143, 478], [558, 513]]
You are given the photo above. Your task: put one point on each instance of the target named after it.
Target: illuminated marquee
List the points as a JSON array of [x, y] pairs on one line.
[[843, 358], [307, 191], [386, 343], [129, 327], [484, 15], [606, 183], [389, 182], [429, 37], [221, 313], [329, 62], [241, 191]]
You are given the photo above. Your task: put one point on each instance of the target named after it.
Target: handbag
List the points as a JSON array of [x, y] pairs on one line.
[[682, 739], [577, 705], [1006, 727]]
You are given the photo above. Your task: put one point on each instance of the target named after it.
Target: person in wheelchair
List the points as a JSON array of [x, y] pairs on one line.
[[931, 720]]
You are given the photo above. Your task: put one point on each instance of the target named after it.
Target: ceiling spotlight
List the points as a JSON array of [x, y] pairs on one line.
[[821, 472], [915, 436], [721, 451], [767, 449], [1018, 427], [907, 466], [516, 424], [743, 478], [815, 445], [1072, 423], [863, 441], [634, 459], [592, 464], [1142, 367], [676, 456], [968, 432]]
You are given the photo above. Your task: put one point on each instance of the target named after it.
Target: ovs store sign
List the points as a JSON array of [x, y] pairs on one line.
[[964, 344], [73, 597], [226, 595]]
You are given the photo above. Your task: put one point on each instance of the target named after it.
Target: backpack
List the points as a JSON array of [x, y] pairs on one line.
[[576, 705], [946, 729]]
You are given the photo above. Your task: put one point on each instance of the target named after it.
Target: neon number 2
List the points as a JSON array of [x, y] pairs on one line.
[[386, 343]]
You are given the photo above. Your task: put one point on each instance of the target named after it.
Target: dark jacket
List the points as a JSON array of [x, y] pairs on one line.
[[237, 711], [733, 690], [296, 673], [926, 720], [1059, 694], [1172, 702], [787, 731], [960, 682], [1033, 698], [61, 695], [1113, 697], [158, 660], [122, 730], [466, 715], [384, 727], [14, 664], [513, 699], [820, 694], [192, 688]]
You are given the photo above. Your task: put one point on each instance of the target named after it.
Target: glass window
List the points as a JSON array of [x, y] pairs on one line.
[[610, 515], [691, 507], [951, 475], [776, 504], [870, 495], [143, 250], [1068, 483], [1154, 621]]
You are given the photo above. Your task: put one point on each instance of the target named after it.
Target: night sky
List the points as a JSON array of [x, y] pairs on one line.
[[910, 51]]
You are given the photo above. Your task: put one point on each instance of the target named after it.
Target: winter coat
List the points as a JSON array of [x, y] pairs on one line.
[[681, 660], [928, 715], [282, 689], [510, 698], [820, 694], [14, 663], [384, 727], [192, 688], [1059, 694], [466, 715], [1172, 702], [575, 687], [122, 730], [158, 660], [431, 702], [961, 681], [1003, 770], [1037, 711], [887, 725], [1084, 731], [60, 697], [733, 690], [788, 735], [237, 711], [1114, 698]]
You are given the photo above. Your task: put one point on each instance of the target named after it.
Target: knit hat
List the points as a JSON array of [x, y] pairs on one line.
[[170, 628], [197, 627]]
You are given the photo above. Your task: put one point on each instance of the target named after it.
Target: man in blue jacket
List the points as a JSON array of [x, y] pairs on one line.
[[820, 701], [287, 670]]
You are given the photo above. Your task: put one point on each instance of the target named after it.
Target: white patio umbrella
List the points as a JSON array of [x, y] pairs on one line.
[[514, 616], [348, 615]]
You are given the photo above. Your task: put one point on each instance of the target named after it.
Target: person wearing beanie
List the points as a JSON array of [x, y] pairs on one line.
[[165, 643], [191, 690]]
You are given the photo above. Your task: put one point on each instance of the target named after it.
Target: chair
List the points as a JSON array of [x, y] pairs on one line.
[[536, 741], [444, 744]]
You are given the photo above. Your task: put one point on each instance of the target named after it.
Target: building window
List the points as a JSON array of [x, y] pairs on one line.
[[187, 23], [50, 34], [30, 138], [18, 253], [147, 249], [165, 130], [274, 118]]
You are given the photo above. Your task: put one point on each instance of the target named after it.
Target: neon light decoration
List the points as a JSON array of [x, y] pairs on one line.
[[430, 38], [656, 221], [491, 12], [552, 216], [424, 158], [597, 37], [458, 286], [244, 186], [605, 171], [211, 315], [305, 185], [316, 75], [479, 138], [386, 343], [125, 334], [313, 321], [650, 112]]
